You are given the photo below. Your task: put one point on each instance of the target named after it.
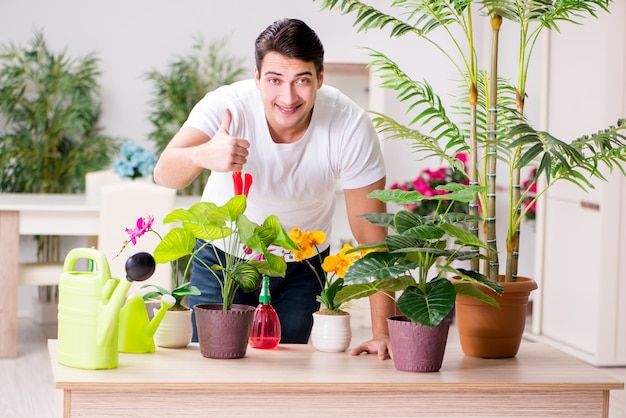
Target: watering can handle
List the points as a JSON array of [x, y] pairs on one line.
[[98, 257]]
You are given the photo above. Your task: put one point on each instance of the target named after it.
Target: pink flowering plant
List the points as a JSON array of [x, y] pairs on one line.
[[427, 183]]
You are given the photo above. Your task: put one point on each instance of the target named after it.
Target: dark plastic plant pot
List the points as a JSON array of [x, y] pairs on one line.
[[223, 334], [416, 347]]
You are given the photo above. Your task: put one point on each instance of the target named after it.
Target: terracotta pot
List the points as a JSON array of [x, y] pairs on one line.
[[417, 347], [488, 332], [175, 329], [331, 333], [223, 334]]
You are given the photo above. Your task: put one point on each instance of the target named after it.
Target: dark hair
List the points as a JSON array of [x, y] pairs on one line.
[[291, 38]]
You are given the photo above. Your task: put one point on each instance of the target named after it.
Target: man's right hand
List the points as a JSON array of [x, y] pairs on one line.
[[223, 152]]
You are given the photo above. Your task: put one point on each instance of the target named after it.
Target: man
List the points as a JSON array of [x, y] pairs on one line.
[[296, 138]]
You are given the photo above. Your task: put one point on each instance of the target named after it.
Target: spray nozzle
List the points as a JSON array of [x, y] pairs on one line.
[[265, 297]]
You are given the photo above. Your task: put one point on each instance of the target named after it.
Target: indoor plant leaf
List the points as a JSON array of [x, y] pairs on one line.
[[431, 306], [177, 243]]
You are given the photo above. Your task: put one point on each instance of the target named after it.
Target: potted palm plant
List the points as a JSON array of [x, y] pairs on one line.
[[420, 245], [494, 111]]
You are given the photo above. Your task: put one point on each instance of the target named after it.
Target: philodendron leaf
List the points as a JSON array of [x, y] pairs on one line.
[[458, 192], [430, 307], [358, 291], [471, 291], [247, 229], [207, 231], [235, 207], [177, 243], [376, 266], [179, 215], [277, 265], [246, 276], [463, 236], [478, 278], [380, 219], [281, 237]]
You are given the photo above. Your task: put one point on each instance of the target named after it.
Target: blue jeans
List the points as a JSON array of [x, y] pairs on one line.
[[293, 297]]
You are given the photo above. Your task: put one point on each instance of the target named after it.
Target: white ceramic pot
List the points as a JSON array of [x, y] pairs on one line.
[[331, 333], [175, 330]]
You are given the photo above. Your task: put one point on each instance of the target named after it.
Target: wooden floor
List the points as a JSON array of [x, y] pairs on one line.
[[26, 388]]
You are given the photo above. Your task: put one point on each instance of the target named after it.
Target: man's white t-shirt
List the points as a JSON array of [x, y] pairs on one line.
[[295, 181]]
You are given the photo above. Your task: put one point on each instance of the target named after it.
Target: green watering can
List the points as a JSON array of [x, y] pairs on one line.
[[89, 306], [136, 331]]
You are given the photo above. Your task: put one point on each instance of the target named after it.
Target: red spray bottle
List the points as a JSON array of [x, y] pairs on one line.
[[265, 331]]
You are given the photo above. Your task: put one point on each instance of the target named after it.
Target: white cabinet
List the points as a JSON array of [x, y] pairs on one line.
[[581, 249]]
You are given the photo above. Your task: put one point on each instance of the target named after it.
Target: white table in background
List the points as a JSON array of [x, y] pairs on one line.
[[39, 214]]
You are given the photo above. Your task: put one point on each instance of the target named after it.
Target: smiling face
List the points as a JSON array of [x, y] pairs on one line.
[[288, 89]]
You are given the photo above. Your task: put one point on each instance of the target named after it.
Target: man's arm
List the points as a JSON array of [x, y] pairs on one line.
[[382, 305], [191, 151]]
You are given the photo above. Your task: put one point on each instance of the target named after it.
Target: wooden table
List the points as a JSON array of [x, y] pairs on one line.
[[298, 381]]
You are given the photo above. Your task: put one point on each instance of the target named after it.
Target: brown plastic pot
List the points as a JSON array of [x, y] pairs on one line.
[[489, 332], [223, 334]]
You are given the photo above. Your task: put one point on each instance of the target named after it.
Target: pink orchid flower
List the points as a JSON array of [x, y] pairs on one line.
[[142, 226]]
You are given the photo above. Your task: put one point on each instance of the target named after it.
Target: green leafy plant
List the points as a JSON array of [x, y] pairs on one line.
[[493, 108], [50, 107], [419, 245], [185, 81], [246, 244], [427, 182], [49, 132]]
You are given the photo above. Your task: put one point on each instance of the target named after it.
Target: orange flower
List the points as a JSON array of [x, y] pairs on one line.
[[307, 241], [338, 264]]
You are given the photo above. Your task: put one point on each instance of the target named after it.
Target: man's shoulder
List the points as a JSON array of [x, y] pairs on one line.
[[337, 102]]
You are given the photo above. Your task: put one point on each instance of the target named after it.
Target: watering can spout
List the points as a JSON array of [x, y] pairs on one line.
[[167, 301], [139, 267], [136, 331]]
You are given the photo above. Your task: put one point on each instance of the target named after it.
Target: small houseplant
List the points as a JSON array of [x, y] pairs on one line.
[[493, 128], [180, 283], [175, 329], [331, 330], [404, 261], [249, 257]]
